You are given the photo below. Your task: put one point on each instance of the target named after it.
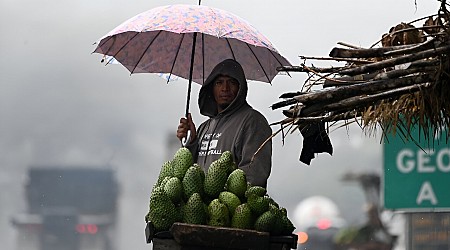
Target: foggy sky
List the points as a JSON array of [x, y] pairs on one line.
[[60, 106]]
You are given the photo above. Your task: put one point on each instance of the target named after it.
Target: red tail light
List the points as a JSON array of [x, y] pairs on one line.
[[87, 228], [324, 224]]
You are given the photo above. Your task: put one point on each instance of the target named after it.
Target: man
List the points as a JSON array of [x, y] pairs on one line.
[[233, 125]]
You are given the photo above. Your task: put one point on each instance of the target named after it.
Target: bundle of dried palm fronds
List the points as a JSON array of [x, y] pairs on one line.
[[403, 82]]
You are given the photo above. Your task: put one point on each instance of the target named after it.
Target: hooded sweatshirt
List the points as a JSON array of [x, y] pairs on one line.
[[239, 128]]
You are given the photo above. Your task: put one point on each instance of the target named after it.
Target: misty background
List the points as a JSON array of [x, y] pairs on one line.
[[60, 106]]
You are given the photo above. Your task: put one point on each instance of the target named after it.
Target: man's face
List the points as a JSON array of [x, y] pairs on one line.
[[225, 89]]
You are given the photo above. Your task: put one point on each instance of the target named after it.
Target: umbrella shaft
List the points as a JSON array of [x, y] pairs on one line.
[[191, 70]]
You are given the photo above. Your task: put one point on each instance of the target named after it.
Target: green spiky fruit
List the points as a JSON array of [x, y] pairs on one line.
[[215, 179], [227, 159], [237, 183], [273, 202], [180, 207], [255, 190], [165, 171], [174, 189], [230, 200], [243, 217], [164, 181], [226, 156], [277, 228], [181, 161], [218, 214], [265, 222], [288, 227], [194, 210], [202, 173], [162, 212], [258, 204], [193, 181], [160, 185]]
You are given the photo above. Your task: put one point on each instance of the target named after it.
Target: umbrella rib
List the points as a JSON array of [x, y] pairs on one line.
[[109, 48], [142, 55], [102, 42], [123, 46], [231, 49], [276, 58], [176, 56], [264, 71]]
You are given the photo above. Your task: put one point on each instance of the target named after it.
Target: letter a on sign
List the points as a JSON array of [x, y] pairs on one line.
[[426, 193]]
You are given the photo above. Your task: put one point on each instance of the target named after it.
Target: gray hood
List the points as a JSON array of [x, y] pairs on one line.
[[206, 102]]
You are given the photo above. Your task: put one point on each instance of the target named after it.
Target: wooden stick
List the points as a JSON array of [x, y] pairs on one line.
[[334, 59], [421, 46], [404, 72], [372, 87], [365, 53], [395, 61], [302, 69], [349, 45], [330, 117], [384, 51], [422, 18], [347, 80], [415, 28], [358, 101], [380, 75]]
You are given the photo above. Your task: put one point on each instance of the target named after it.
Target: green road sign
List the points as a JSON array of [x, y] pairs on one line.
[[417, 178]]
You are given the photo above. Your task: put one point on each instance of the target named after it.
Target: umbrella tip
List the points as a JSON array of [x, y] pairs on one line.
[[199, 2]]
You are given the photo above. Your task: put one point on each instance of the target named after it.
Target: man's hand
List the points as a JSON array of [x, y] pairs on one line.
[[186, 124]]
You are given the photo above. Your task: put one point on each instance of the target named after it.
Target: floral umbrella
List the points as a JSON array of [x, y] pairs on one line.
[[188, 41]]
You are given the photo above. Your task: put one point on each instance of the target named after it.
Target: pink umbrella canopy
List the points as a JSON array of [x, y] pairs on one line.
[[161, 40]]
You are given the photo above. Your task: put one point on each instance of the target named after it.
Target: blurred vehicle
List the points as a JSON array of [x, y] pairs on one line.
[[317, 219], [68, 209], [373, 234]]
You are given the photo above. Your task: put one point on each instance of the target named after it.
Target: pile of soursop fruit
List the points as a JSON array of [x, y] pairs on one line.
[[220, 197]]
